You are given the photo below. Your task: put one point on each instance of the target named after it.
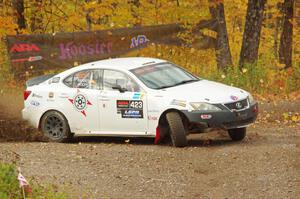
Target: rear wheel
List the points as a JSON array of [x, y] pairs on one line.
[[237, 134], [177, 130], [55, 127]]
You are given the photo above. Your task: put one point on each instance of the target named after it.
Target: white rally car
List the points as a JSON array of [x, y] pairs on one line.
[[139, 97]]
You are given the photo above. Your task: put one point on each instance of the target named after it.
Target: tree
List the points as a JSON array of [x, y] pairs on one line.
[[223, 53], [286, 39], [18, 6], [134, 5], [252, 31], [36, 19], [88, 18]]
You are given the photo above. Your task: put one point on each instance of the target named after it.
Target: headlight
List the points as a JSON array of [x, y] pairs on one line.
[[201, 106], [251, 99]]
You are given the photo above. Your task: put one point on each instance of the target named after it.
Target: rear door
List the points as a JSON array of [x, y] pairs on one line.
[[81, 100], [123, 105]]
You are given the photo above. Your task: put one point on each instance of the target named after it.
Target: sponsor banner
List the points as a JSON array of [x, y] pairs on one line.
[[41, 52]]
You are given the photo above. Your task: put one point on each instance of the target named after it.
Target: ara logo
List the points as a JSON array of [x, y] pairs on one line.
[[139, 40], [17, 48]]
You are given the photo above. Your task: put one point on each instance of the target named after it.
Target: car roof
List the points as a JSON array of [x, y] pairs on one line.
[[120, 63]]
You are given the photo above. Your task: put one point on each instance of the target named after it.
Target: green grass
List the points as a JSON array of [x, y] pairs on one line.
[[9, 186]]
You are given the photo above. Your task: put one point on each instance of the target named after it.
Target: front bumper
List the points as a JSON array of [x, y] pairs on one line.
[[225, 119]]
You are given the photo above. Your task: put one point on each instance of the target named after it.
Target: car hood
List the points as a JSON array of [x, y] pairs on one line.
[[206, 91]]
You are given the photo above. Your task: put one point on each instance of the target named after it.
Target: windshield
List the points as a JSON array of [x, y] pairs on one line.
[[163, 75]]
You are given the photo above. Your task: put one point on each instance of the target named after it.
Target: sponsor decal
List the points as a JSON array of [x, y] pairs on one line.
[[34, 103], [234, 98], [132, 113], [242, 115], [71, 50], [36, 95], [153, 118], [153, 111], [29, 59], [206, 116], [138, 41], [130, 108], [136, 96], [122, 104], [17, 48], [80, 102], [139, 95], [178, 103], [51, 95]]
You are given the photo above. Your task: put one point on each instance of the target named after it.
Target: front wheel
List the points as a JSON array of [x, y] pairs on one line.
[[55, 126], [237, 134], [177, 130]]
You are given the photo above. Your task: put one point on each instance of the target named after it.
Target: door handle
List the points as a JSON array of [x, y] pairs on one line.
[[104, 98]]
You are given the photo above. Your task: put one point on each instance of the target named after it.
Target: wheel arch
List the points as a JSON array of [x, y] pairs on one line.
[[47, 111], [163, 121]]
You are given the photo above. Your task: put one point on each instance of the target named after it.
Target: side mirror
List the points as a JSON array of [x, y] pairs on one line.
[[118, 87]]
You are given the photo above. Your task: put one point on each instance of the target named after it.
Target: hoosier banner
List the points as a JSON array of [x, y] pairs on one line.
[[61, 50], [39, 52]]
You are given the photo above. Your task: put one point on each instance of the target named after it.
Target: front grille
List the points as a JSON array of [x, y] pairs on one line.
[[239, 123], [239, 105]]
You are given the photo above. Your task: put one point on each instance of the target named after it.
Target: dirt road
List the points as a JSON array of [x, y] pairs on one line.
[[265, 165]]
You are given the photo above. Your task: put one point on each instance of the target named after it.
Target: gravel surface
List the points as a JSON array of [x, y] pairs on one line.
[[265, 165]]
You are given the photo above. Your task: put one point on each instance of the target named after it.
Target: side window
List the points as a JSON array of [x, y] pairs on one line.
[[96, 80], [82, 79], [114, 78], [86, 79], [69, 81]]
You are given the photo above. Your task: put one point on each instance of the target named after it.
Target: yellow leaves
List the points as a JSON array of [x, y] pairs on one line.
[[8, 26], [291, 117], [210, 33], [244, 70]]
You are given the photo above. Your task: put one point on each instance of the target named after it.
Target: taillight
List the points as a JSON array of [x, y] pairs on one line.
[[26, 95]]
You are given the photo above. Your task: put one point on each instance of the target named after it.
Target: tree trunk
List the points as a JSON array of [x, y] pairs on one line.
[[88, 18], [223, 53], [134, 4], [18, 6], [36, 21], [251, 38], [297, 12], [286, 39]]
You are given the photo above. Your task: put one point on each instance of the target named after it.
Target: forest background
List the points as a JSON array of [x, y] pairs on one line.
[[255, 43]]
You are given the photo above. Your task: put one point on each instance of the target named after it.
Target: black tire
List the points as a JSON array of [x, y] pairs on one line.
[[55, 126], [237, 134], [177, 130]]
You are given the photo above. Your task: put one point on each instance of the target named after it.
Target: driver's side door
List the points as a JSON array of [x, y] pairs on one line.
[[123, 105]]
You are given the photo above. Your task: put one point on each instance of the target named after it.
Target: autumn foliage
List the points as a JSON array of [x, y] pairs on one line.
[[268, 74]]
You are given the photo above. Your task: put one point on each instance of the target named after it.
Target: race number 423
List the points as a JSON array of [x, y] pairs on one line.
[[136, 104]]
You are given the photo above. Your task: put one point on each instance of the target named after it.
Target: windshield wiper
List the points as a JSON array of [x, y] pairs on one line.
[[186, 81], [179, 83]]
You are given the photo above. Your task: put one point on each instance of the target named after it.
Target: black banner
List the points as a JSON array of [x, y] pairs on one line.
[[40, 52]]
